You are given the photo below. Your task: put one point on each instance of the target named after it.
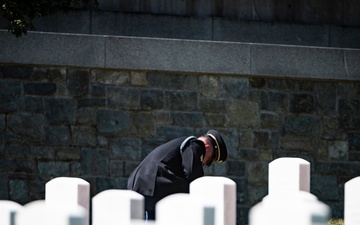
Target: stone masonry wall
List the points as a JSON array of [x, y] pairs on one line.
[[99, 124]]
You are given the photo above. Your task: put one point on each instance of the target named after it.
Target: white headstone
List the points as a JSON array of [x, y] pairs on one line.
[[68, 192], [114, 207], [352, 202], [8, 210], [182, 209], [220, 192], [40, 213], [295, 208], [289, 174]]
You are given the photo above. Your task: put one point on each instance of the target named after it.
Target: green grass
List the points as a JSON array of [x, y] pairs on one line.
[[336, 222]]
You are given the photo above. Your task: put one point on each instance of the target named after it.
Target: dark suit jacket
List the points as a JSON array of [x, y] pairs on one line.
[[167, 170]]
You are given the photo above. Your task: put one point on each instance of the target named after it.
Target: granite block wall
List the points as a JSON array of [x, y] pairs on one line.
[[98, 124]]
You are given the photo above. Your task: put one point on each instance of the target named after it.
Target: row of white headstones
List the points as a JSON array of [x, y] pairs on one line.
[[211, 201]]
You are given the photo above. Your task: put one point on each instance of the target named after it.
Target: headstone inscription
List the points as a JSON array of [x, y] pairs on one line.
[[220, 192], [113, 207], [352, 202]]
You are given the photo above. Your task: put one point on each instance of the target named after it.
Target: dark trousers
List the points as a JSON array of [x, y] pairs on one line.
[[150, 203]]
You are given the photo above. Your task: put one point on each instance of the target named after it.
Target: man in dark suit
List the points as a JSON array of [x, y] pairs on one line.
[[171, 167]]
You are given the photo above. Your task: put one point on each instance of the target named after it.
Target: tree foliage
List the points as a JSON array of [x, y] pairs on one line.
[[21, 13]]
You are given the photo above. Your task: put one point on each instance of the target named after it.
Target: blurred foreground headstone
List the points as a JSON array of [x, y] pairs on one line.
[[68, 192], [40, 213], [289, 207], [8, 210], [184, 209], [220, 192], [114, 207]]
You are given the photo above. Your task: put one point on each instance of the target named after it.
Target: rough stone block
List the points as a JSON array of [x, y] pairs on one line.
[[60, 110], [94, 162], [84, 136], [269, 120], [339, 150], [111, 77], [274, 101], [19, 191], [181, 100], [117, 168], [143, 123], [11, 98], [302, 103], [12, 72], [78, 82], [185, 119], [126, 149], [117, 207], [25, 126], [289, 174], [302, 125], [235, 168], [33, 104], [171, 81], [49, 170], [124, 97], [223, 196], [352, 202], [4, 187], [57, 135], [354, 141], [152, 99], [266, 140], [91, 102], [86, 116], [212, 105], [215, 119], [326, 97], [112, 121], [243, 114], [2, 121], [43, 89], [233, 87], [97, 91], [257, 173], [46, 74], [170, 132], [106, 183], [325, 187]]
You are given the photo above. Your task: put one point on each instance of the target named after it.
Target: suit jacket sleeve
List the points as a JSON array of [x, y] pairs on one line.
[[191, 161]]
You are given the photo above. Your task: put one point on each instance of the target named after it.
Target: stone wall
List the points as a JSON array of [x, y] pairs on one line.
[[98, 124]]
